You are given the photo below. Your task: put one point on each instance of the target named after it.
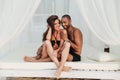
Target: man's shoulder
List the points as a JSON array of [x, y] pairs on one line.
[[77, 31], [75, 28]]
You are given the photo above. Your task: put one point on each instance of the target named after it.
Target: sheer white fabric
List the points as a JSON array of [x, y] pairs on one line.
[[46, 8], [14, 15], [102, 17]]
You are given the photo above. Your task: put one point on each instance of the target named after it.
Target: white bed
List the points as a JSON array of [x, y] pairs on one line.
[[12, 65]]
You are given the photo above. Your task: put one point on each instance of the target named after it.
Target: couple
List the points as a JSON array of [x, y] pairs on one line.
[[60, 45]]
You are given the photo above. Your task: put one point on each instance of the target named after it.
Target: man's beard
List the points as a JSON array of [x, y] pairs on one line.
[[67, 26]]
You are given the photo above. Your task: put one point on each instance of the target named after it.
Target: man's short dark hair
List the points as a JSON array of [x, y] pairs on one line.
[[67, 16]]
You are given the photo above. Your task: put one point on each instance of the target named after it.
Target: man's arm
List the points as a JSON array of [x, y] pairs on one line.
[[77, 44]]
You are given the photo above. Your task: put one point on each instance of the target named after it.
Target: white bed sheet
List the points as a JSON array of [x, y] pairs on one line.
[[14, 60]]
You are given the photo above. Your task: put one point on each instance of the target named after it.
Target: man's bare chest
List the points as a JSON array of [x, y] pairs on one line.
[[71, 36]]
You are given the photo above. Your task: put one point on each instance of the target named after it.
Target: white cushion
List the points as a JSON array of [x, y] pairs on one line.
[[103, 57]]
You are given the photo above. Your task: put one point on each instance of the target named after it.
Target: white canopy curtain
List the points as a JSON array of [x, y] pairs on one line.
[[102, 17], [14, 15]]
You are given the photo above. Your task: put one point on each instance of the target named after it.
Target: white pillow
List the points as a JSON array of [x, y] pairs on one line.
[[103, 57]]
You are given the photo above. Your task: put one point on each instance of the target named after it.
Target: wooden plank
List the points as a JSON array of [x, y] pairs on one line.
[[72, 74], [51, 65]]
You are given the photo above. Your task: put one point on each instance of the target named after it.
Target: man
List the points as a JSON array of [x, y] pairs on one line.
[[74, 37]]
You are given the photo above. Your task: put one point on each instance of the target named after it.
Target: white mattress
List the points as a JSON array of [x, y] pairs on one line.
[[14, 60]]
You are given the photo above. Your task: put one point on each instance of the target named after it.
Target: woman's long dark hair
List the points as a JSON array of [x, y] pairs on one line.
[[50, 22]]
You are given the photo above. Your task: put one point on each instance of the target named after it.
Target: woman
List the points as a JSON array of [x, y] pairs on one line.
[[55, 46], [53, 34]]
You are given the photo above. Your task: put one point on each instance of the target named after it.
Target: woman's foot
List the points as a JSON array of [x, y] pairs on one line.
[[59, 70], [58, 73], [66, 68], [28, 59]]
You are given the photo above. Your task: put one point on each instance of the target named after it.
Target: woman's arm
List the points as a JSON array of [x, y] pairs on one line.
[[48, 36], [63, 36], [61, 45]]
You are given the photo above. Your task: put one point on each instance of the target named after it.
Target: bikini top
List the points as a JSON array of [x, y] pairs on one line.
[[53, 42]]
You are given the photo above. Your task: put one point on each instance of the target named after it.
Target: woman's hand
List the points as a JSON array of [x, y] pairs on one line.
[[48, 36], [49, 26], [55, 47]]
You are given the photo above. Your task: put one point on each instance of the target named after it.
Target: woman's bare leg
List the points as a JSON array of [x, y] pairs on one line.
[[64, 56], [43, 55], [44, 52], [29, 59], [48, 59], [52, 53]]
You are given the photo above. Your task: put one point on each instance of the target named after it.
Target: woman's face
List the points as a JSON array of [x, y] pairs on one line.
[[56, 25]]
